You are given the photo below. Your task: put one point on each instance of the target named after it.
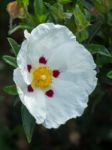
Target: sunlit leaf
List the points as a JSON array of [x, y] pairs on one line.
[[80, 19], [39, 11], [23, 3]]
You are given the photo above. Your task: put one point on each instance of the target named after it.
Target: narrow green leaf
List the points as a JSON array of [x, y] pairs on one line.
[[57, 11], [38, 7], [21, 26], [39, 10], [64, 1], [10, 60], [83, 35], [23, 3], [80, 19], [94, 29], [11, 89], [99, 49], [28, 123], [15, 47], [109, 74]]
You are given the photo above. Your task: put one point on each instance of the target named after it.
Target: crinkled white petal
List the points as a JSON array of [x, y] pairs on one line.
[[85, 80], [69, 101], [34, 101], [71, 56], [45, 38]]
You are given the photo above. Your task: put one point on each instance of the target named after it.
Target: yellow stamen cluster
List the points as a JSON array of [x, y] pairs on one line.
[[41, 77]]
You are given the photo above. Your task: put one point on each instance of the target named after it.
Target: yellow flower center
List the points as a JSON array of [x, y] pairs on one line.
[[41, 77]]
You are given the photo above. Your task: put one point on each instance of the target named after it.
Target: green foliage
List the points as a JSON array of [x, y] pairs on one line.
[[56, 11], [81, 23], [39, 10], [23, 3], [99, 49], [109, 74], [15, 47], [18, 27], [11, 89], [10, 60], [103, 5], [80, 19], [28, 123], [38, 7], [64, 1]]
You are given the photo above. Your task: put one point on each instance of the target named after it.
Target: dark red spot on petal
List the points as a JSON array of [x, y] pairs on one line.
[[50, 93], [29, 67], [29, 88], [42, 60], [56, 73]]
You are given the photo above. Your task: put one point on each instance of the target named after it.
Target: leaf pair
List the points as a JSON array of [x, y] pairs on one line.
[[15, 47]]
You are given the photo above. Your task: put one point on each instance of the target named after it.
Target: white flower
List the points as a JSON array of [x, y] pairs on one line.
[[55, 75]]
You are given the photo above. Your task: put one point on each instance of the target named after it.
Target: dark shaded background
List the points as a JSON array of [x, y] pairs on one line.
[[92, 131]]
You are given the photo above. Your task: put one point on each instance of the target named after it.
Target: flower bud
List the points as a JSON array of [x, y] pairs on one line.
[[14, 10]]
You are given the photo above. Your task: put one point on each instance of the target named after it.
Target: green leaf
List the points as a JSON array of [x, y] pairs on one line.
[[15, 47], [38, 7], [10, 60], [103, 5], [56, 11], [21, 26], [64, 1], [80, 19], [95, 29], [23, 3], [11, 89], [99, 49], [83, 35], [39, 10], [109, 74], [28, 123]]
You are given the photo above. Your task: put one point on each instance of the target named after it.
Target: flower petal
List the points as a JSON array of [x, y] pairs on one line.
[[22, 62], [74, 57], [34, 101], [45, 38], [69, 101], [26, 34], [86, 80]]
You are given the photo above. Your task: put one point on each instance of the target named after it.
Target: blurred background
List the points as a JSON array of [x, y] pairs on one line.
[[91, 22]]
